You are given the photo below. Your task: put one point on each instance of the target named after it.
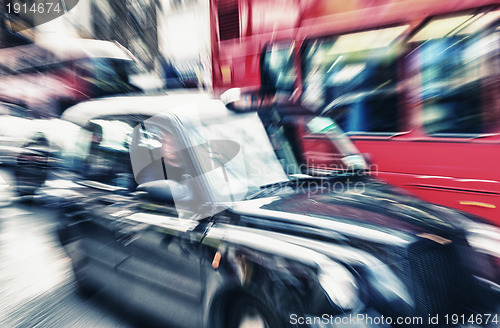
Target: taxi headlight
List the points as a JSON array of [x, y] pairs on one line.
[[484, 238], [340, 286]]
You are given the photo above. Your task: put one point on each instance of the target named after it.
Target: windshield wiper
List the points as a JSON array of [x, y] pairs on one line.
[[269, 188]]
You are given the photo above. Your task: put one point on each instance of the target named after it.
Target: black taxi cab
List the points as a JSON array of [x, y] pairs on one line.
[[182, 208]]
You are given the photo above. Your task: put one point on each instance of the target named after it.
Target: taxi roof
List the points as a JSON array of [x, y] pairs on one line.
[[182, 104]]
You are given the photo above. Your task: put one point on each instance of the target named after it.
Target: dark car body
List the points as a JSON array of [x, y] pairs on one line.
[[274, 249], [33, 164]]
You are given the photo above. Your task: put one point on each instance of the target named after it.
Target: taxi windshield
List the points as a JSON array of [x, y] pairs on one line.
[[235, 155]]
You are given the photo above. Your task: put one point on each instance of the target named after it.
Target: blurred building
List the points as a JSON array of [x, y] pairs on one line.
[[184, 38], [133, 23], [162, 34]]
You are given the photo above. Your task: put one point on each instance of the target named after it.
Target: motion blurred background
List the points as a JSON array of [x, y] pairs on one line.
[[158, 33], [415, 84]]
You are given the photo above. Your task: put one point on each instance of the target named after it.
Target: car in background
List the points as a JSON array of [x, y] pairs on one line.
[[50, 75], [15, 130], [220, 236], [30, 146]]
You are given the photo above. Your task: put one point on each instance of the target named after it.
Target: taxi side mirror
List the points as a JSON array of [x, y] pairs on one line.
[[165, 191]]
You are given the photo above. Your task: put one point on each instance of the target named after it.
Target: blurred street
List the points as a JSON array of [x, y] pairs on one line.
[[37, 288]]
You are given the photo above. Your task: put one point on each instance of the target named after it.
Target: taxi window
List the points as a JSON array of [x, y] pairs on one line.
[[102, 153]]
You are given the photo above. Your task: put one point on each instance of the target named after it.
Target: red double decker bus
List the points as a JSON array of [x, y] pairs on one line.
[[415, 84]]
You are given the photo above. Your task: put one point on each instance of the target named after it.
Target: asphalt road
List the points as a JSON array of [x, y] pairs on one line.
[[36, 282]]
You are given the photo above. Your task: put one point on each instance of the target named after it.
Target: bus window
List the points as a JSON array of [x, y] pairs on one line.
[[352, 78], [456, 69]]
